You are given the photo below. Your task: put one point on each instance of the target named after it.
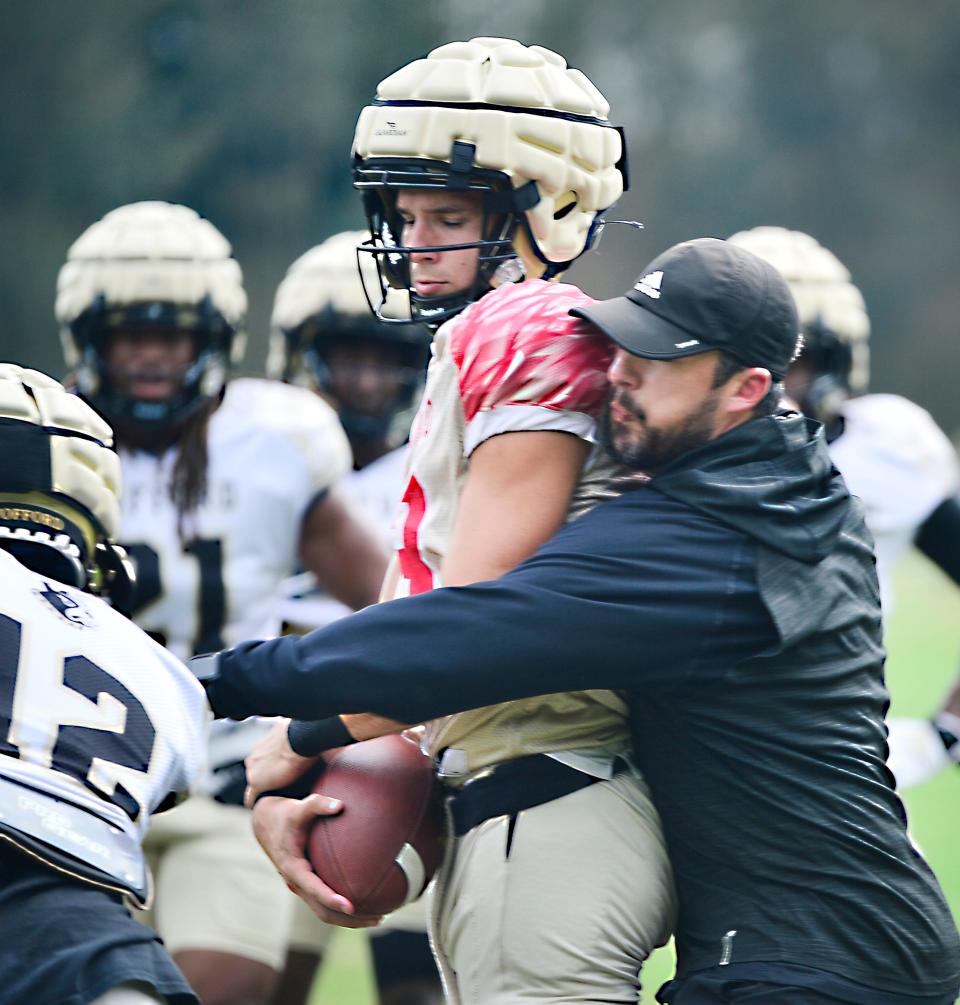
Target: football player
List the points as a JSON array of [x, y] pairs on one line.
[[100, 727], [484, 169], [890, 451], [324, 337], [229, 485]]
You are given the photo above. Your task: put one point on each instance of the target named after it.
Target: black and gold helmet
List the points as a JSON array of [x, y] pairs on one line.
[[59, 489], [511, 122]]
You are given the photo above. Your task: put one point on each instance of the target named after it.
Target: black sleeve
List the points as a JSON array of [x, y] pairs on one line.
[[939, 537], [311, 737], [602, 605]]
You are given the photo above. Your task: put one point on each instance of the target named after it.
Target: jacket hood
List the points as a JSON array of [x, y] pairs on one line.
[[770, 478]]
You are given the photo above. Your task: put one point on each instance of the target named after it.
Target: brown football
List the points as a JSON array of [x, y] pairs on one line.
[[385, 846]]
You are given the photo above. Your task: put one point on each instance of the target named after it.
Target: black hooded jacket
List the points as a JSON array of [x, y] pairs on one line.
[[734, 597]]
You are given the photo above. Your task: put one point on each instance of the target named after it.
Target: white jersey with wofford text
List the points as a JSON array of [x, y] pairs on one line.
[[210, 581], [99, 726], [271, 450]]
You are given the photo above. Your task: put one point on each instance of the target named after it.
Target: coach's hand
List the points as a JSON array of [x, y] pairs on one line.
[[273, 764], [281, 826]]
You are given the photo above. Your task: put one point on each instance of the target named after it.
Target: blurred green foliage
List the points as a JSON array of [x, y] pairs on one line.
[[836, 118]]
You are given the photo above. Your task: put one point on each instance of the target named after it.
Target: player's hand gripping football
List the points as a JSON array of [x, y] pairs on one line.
[[281, 826], [273, 764]]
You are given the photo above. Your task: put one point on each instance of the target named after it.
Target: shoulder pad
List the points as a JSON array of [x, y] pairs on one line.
[[891, 448], [519, 346], [300, 416], [906, 429]]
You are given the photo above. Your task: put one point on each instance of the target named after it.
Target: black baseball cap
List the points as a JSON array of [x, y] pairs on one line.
[[703, 295]]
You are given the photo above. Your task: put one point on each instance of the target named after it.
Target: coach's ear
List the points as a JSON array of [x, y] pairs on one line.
[[747, 388]]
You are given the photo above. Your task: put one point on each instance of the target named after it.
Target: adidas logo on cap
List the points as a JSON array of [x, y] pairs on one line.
[[650, 285]]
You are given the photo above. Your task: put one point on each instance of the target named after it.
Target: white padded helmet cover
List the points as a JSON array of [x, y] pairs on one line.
[[151, 252], [821, 286], [569, 159], [327, 276]]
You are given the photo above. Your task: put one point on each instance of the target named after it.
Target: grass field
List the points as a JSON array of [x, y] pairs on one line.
[[924, 646]]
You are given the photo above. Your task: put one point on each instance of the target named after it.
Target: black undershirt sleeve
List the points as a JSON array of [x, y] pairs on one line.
[[308, 738], [939, 537]]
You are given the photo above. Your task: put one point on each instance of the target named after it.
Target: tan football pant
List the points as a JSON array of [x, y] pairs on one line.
[[214, 886], [569, 916], [308, 934]]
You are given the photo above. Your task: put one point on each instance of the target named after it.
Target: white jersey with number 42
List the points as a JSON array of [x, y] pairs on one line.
[[99, 726]]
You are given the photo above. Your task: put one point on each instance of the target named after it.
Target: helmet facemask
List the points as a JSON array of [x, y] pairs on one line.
[[503, 213], [324, 333], [510, 121], [158, 267], [202, 380], [321, 325], [828, 361]]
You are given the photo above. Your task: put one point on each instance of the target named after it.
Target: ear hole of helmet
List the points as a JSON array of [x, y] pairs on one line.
[[215, 341], [565, 205]]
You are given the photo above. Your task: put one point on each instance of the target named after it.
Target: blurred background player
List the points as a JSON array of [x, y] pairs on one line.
[[890, 451], [324, 337], [484, 169], [99, 726], [229, 485]]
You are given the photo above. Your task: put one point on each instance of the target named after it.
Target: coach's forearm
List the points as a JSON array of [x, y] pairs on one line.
[[565, 620], [409, 660]]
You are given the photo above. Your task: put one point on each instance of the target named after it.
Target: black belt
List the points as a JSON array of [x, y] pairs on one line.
[[514, 786]]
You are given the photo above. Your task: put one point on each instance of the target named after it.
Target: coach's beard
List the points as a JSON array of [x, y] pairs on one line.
[[641, 447]]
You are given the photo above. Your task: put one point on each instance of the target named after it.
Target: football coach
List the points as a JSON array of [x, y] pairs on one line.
[[733, 597]]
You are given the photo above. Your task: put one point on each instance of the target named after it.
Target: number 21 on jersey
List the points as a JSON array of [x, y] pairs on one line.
[[211, 596]]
